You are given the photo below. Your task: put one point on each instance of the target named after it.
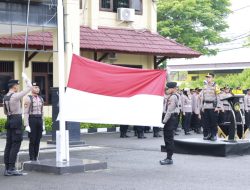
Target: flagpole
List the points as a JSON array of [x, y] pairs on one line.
[[62, 140]]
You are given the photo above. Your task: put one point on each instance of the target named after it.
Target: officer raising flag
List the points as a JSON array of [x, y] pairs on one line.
[[33, 120], [13, 110]]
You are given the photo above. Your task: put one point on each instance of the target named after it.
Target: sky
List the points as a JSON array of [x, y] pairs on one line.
[[239, 28]]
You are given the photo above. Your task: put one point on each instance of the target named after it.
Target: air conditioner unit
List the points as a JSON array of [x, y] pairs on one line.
[[125, 14], [112, 56]]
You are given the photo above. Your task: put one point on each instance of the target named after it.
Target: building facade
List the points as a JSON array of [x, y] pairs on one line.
[[121, 32]]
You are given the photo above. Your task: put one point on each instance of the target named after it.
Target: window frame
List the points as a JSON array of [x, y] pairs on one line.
[[106, 9], [9, 73], [46, 75], [111, 9]]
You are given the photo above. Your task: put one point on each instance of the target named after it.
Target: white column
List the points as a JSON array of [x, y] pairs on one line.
[[72, 32], [62, 153], [94, 14], [152, 15]]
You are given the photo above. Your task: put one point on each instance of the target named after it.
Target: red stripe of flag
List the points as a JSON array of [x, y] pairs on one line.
[[109, 80]]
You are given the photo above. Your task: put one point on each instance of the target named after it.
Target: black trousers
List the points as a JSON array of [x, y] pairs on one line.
[[123, 130], [36, 126], [14, 137], [156, 130], [247, 118], [195, 122], [168, 134], [210, 122], [140, 131], [187, 121]]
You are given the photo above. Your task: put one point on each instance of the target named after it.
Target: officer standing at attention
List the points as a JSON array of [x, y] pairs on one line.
[[247, 108], [169, 120], [33, 120], [13, 110], [210, 106]]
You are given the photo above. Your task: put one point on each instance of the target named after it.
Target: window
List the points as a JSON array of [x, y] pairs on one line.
[[6, 73], [112, 5], [42, 73]]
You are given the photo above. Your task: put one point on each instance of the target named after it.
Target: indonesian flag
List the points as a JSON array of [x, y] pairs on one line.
[[108, 94]]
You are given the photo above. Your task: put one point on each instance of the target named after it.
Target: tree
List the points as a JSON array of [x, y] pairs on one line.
[[231, 80], [194, 23]]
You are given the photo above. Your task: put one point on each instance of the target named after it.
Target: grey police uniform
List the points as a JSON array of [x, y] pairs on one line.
[[226, 107], [247, 110], [210, 101], [196, 108], [187, 111], [170, 118], [13, 110], [33, 117]]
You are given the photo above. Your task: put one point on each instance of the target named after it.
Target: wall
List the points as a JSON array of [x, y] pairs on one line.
[[126, 59], [91, 16]]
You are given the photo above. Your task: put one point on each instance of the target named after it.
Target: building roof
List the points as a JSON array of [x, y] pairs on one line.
[[111, 40]]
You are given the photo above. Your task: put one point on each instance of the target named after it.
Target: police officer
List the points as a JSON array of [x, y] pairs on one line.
[[247, 108], [210, 107], [33, 120], [186, 104], [13, 110], [170, 119], [196, 116]]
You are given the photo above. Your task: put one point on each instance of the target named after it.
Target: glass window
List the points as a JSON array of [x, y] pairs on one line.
[[112, 5], [120, 4], [106, 4], [137, 5]]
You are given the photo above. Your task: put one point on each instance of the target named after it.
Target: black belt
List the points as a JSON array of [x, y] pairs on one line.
[[225, 104], [209, 101], [14, 116], [35, 116]]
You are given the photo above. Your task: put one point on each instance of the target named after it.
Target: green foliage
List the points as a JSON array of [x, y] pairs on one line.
[[231, 80], [48, 124], [2, 124], [194, 23]]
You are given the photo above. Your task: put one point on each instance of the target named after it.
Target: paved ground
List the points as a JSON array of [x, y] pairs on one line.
[[134, 164]]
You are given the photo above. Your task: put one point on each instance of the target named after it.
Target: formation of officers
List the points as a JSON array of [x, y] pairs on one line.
[[33, 120], [200, 108]]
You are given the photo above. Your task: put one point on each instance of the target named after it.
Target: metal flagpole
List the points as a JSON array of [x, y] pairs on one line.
[[62, 140]]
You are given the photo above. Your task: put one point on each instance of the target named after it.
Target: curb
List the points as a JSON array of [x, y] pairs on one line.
[[100, 130]]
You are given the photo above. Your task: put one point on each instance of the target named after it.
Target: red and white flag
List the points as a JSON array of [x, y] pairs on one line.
[[104, 93]]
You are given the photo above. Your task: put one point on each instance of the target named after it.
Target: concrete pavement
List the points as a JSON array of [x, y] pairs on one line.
[[133, 164]]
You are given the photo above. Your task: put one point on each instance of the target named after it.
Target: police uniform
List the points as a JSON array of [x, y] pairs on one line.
[[210, 101], [187, 111], [247, 109], [13, 110], [196, 122], [169, 119], [33, 117]]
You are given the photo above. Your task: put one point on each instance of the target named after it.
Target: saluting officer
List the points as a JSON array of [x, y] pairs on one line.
[[33, 120], [13, 110], [170, 119], [210, 106]]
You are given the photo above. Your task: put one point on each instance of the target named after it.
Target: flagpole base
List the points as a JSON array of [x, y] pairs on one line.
[[59, 168]]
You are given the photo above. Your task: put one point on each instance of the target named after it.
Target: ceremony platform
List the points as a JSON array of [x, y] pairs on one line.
[[198, 146]]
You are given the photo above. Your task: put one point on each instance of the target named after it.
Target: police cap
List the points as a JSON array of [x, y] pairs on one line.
[[35, 84], [210, 75], [171, 85], [12, 82]]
